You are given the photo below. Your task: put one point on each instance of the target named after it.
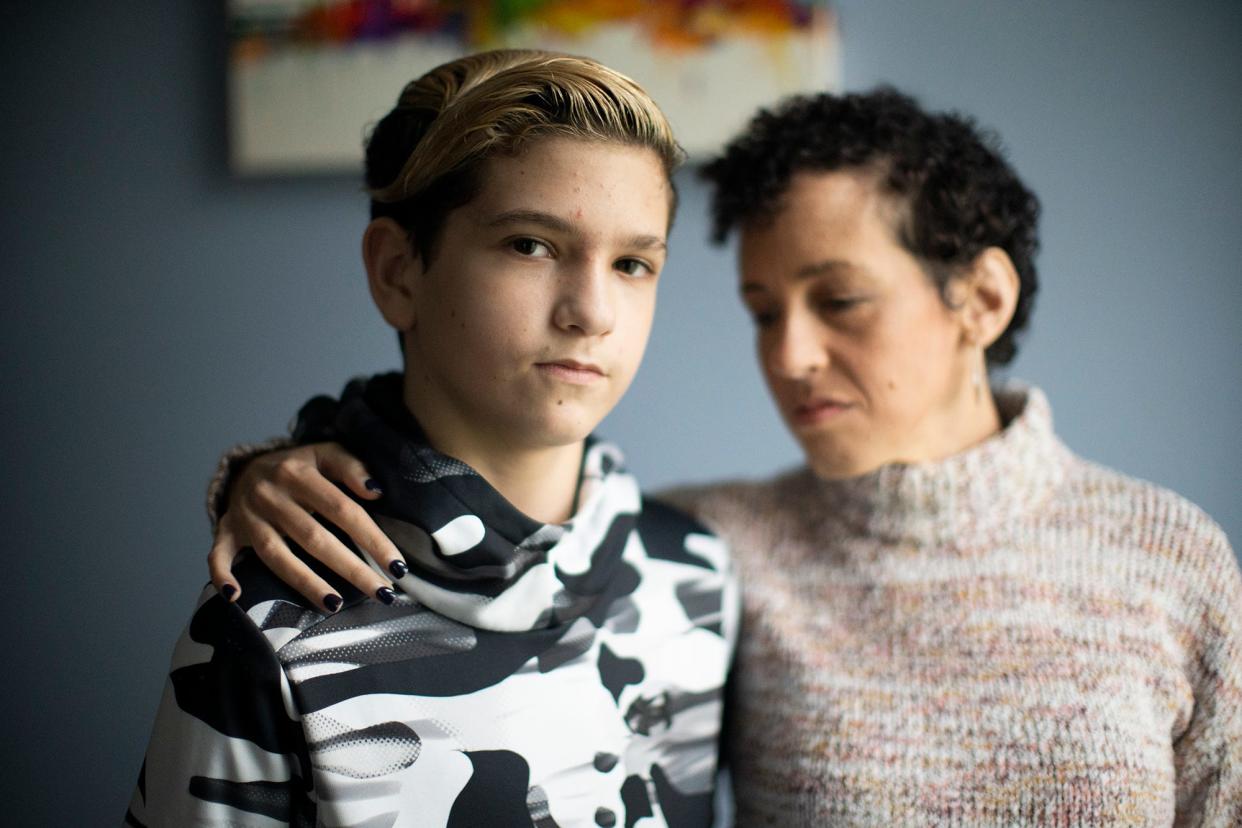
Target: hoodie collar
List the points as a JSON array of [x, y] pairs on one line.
[[472, 555]]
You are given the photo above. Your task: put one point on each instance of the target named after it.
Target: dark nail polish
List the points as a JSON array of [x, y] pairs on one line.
[[398, 569], [332, 602], [373, 486], [228, 591], [385, 595]]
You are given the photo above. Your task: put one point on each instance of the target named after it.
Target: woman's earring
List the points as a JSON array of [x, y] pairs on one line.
[[976, 377]]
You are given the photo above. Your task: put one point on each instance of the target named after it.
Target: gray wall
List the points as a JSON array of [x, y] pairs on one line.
[[156, 310]]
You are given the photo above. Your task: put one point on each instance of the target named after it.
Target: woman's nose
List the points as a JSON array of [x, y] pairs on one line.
[[797, 348]]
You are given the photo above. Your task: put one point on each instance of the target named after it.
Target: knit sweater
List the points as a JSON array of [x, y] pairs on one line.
[[1012, 636]]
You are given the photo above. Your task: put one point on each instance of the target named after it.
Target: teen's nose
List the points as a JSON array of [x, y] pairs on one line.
[[586, 304], [796, 347]]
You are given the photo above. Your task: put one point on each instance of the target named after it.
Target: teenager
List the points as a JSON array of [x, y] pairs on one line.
[[547, 648], [950, 618]]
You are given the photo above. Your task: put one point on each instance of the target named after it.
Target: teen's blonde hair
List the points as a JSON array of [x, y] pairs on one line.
[[422, 157], [491, 102]]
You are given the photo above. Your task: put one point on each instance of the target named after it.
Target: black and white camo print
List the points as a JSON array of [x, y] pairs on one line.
[[528, 674]]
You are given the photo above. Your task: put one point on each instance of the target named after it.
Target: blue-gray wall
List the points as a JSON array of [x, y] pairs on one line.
[[154, 310]]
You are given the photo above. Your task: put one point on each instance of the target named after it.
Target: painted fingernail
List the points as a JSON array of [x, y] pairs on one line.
[[373, 486], [228, 591], [385, 595], [332, 602], [398, 569]]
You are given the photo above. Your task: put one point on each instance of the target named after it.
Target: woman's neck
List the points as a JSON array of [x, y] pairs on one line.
[[969, 418]]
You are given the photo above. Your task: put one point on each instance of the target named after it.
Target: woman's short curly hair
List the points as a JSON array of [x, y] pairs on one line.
[[960, 196]]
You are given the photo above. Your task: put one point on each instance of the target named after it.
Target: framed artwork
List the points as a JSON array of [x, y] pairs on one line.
[[306, 78]]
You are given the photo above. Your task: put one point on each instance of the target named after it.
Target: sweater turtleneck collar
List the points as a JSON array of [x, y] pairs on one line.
[[943, 501], [472, 555]]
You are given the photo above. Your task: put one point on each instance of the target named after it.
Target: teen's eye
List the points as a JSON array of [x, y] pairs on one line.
[[633, 267], [530, 247]]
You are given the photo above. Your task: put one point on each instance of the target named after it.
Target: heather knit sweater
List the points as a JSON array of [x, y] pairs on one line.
[[1012, 636]]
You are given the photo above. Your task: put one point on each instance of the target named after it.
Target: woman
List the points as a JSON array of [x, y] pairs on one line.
[[950, 619]]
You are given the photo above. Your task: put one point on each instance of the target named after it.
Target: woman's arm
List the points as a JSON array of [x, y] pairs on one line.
[[1208, 754], [275, 497]]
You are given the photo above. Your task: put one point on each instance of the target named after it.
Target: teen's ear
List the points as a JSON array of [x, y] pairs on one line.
[[392, 272], [988, 297]]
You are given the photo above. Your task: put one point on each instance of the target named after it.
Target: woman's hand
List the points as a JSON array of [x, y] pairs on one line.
[[276, 496]]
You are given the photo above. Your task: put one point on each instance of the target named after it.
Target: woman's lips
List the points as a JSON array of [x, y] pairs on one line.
[[571, 371], [816, 412]]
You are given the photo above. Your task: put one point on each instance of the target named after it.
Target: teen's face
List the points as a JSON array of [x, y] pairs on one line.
[[865, 361], [533, 316]]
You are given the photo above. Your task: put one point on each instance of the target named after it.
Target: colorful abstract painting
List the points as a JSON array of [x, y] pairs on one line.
[[305, 78]]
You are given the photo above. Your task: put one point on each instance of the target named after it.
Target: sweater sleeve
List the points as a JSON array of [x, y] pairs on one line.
[[229, 466], [313, 424], [225, 749], [1208, 753]]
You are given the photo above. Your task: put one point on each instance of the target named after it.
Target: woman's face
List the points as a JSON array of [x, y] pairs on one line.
[[864, 359]]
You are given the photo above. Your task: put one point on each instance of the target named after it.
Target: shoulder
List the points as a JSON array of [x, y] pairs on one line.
[[1125, 518], [1156, 513], [268, 610], [670, 532], [1156, 521], [225, 670], [663, 515], [730, 506]]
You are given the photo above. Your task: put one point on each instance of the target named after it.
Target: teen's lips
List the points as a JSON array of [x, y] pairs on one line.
[[572, 371], [819, 410]]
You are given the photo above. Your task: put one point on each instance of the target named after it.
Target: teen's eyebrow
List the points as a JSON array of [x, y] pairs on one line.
[[532, 217], [646, 243], [559, 225]]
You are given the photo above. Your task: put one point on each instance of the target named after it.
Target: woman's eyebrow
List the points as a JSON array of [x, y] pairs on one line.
[[826, 268]]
